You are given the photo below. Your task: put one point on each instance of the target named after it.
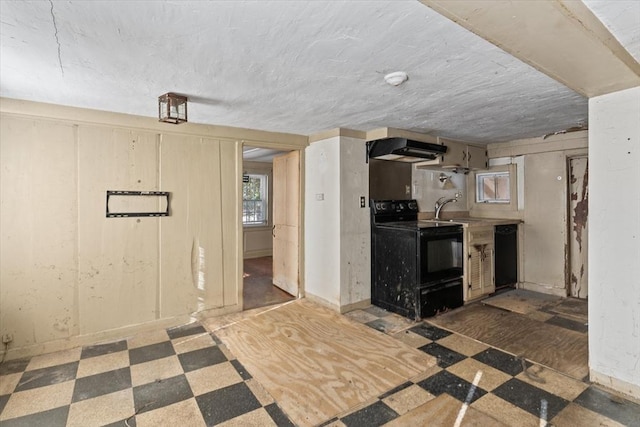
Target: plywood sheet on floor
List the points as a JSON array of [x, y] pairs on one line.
[[521, 301], [443, 412], [549, 345], [317, 363], [573, 307]]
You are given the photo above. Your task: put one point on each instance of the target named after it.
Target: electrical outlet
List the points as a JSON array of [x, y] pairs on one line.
[[7, 338], [362, 202]]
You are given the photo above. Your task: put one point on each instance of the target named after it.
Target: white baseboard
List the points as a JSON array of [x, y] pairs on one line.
[[355, 306], [258, 254], [113, 334], [543, 289], [620, 386], [338, 308]]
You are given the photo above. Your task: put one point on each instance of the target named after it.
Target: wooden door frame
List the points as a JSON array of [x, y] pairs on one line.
[[301, 206]]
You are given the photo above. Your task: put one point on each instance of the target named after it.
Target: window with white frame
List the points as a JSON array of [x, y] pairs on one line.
[[493, 187], [254, 199]]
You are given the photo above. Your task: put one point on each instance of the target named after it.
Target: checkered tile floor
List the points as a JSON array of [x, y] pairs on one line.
[[185, 376], [178, 377]]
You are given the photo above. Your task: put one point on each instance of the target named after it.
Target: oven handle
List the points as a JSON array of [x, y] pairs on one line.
[[450, 284]]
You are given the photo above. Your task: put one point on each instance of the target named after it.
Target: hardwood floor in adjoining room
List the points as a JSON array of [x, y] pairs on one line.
[[259, 290]]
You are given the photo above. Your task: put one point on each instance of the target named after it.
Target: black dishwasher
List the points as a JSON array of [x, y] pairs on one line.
[[506, 255]]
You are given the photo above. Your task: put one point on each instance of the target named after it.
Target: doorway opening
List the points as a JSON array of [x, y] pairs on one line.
[[270, 212]]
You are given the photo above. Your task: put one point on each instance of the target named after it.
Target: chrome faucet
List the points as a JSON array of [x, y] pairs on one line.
[[443, 201]]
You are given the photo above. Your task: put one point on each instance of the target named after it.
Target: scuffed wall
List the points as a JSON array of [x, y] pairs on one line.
[[614, 240], [68, 273], [337, 236], [355, 234], [322, 221]]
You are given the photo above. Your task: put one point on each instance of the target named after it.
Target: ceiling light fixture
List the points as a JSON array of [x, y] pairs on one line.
[[397, 78], [172, 108]]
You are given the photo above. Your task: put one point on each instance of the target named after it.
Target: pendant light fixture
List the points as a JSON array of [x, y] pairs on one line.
[[172, 108]]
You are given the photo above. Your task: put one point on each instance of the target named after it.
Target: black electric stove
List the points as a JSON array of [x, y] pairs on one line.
[[416, 266]]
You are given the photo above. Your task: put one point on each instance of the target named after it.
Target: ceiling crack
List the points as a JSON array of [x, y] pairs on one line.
[[55, 27]]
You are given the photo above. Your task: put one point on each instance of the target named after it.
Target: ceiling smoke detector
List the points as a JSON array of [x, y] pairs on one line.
[[397, 78]]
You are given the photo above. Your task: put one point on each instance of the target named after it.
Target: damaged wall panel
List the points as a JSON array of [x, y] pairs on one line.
[[191, 239], [578, 226]]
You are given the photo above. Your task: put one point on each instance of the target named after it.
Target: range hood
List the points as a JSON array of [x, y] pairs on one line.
[[404, 150]]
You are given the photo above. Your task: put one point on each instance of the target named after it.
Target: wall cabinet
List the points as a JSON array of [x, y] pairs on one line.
[[463, 155], [479, 262], [459, 155]]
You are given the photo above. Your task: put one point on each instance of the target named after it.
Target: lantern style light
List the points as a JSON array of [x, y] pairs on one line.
[[172, 108]]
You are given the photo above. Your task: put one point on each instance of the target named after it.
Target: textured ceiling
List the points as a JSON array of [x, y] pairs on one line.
[[298, 67]]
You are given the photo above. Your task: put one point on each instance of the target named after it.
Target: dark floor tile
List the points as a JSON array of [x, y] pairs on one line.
[[3, 401], [530, 398], [101, 384], [13, 366], [395, 390], [151, 352], [216, 339], [102, 349], [131, 421], [52, 418], [328, 422], [446, 382], [380, 325], [197, 359], [371, 416], [161, 393], [278, 416], [445, 356], [570, 324], [376, 311], [242, 371], [226, 403], [500, 360], [429, 331], [186, 330], [47, 376], [609, 405]]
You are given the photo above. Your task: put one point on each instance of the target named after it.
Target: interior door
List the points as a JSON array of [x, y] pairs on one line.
[[286, 184], [578, 232]]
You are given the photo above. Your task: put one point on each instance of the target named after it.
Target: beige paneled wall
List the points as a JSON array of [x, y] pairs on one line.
[[117, 257], [38, 225], [69, 275], [191, 245], [545, 215]]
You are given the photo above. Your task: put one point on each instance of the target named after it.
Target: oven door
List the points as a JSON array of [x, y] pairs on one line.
[[440, 255]]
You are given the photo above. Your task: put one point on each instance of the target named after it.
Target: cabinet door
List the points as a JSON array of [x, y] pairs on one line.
[[456, 155], [488, 282], [476, 157], [474, 275]]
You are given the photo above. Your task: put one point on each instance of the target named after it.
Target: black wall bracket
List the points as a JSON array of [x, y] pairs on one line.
[[111, 193]]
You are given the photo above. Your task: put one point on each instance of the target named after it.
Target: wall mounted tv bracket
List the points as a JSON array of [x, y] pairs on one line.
[[141, 212]]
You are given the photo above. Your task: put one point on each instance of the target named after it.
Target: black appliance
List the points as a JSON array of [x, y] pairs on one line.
[[416, 266], [404, 150]]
